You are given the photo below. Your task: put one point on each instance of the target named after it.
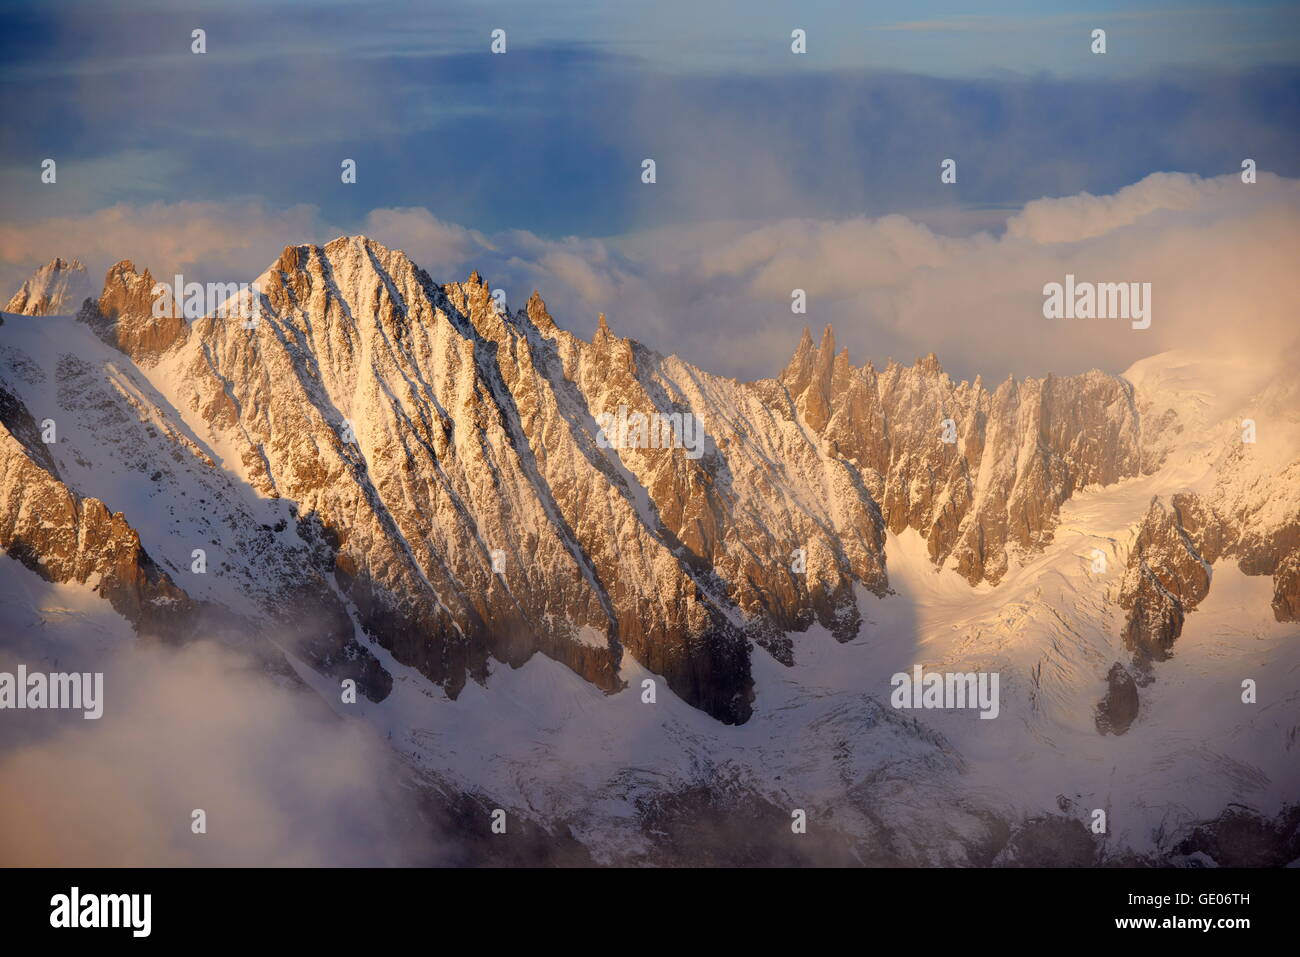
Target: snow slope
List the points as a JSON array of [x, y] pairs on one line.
[[433, 431]]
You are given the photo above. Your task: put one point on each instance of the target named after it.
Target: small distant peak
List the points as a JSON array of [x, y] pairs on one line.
[[827, 347], [124, 273], [929, 363], [798, 370], [841, 366], [55, 288], [604, 336], [123, 314], [824, 363], [475, 279], [537, 313]]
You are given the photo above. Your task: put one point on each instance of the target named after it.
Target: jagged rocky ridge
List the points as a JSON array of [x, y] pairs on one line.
[[57, 288], [439, 458], [1247, 511], [1171, 566]]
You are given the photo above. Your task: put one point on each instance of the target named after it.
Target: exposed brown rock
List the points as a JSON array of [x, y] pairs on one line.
[[1286, 589], [446, 455], [1166, 577], [123, 315], [1119, 708], [66, 538], [1169, 571]]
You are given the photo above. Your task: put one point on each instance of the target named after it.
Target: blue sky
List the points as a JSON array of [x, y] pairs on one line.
[[550, 136], [527, 165]]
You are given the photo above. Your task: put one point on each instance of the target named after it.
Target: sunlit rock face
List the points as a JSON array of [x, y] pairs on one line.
[[445, 481]]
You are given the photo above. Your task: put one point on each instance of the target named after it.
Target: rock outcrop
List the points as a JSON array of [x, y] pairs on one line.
[[1170, 569], [1119, 708], [64, 537], [123, 315]]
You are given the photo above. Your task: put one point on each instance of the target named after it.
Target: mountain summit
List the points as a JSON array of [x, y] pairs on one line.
[[57, 288], [591, 582], [439, 456]]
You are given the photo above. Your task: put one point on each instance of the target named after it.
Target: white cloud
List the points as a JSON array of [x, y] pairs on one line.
[[1085, 216], [282, 781], [1219, 255]]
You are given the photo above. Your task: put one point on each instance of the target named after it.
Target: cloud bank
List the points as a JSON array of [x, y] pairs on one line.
[[1219, 254], [283, 781]]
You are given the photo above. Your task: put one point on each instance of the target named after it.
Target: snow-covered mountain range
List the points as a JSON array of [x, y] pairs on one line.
[[399, 482]]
